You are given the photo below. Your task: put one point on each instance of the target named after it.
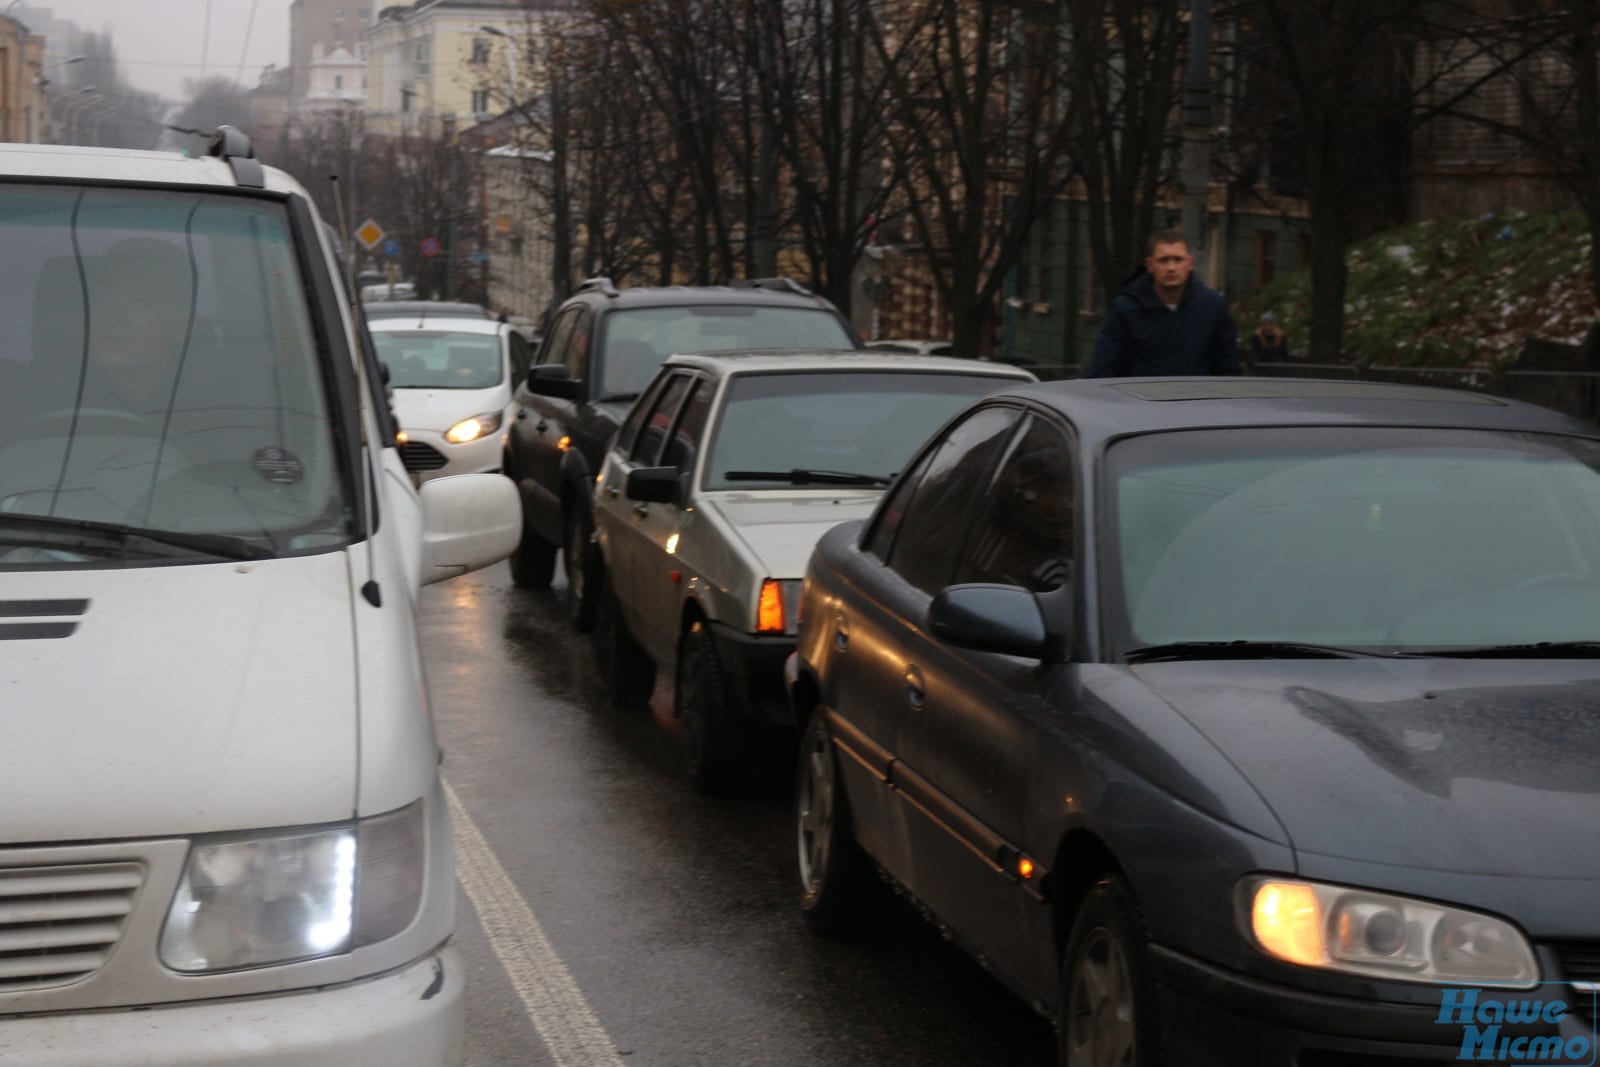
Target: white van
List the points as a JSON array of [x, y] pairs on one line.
[[223, 835]]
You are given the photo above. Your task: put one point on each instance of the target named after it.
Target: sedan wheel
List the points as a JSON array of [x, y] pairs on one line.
[[715, 743], [836, 881], [1107, 1018], [578, 559]]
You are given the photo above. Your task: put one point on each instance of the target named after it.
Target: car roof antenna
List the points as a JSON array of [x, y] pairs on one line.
[[370, 589]]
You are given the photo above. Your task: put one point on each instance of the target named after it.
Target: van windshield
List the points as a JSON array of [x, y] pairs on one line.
[[440, 359], [159, 373]]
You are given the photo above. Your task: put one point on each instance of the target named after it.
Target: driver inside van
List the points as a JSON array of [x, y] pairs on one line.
[[141, 302]]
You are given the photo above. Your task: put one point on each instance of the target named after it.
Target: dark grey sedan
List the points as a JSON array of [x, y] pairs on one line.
[[1229, 722]]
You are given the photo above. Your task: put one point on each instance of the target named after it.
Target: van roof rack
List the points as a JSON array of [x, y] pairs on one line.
[[776, 284], [232, 145], [601, 283]]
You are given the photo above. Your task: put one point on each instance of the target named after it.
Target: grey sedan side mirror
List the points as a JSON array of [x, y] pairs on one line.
[[990, 618], [653, 485]]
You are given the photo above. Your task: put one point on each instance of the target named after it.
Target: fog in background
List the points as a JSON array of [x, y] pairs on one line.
[[162, 43]]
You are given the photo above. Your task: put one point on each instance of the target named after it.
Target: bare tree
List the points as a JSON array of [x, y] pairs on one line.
[[979, 117]]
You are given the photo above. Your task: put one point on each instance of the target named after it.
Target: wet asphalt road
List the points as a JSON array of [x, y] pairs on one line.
[[673, 914]]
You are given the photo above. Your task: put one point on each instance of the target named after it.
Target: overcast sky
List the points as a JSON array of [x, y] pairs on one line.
[[162, 42]]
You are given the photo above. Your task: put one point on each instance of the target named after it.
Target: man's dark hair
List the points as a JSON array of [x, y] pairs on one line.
[[1167, 237]]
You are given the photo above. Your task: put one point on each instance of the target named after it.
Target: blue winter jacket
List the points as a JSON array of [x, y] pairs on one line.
[[1143, 337]]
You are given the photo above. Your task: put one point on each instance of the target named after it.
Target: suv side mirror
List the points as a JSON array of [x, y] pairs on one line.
[[990, 618], [551, 379], [653, 485]]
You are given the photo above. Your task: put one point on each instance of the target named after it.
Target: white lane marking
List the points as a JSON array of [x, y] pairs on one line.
[[554, 1003]]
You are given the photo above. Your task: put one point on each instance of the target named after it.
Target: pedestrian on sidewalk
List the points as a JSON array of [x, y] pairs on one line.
[[1165, 322], [1268, 344]]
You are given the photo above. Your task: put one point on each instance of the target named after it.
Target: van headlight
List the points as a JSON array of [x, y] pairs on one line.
[[468, 430], [1356, 931], [296, 895]]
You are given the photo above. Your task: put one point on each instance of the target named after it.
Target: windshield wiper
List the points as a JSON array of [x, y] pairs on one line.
[[220, 545], [803, 476], [618, 398], [1537, 650], [1200, 650]]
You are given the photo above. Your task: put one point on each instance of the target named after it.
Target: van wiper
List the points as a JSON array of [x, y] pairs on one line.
[[1201, 650], [803, 476], [1537, 650], [220, 545]]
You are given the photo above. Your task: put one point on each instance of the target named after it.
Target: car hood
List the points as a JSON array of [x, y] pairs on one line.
[[186, 699], [440, 409], [1479, 767], [782, 527]]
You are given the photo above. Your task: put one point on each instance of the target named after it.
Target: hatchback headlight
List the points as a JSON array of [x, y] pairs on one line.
[[1378, 935], [468, 430], [296, 895]]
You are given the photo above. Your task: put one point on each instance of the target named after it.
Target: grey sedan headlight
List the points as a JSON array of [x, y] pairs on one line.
[[295, 895], [1356, 931]]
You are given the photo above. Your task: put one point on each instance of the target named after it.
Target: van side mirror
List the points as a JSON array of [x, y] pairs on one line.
[[653, 485], [990, 618], [552, 379], [468, 521]]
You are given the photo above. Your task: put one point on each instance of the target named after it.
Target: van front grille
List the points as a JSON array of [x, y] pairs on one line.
[[421, 456], [59, 924]]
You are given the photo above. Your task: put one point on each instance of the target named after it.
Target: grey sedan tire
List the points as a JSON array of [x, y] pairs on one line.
[[716, 746], [579, 560], [1108, 1003], [626, 670], [838, 889]]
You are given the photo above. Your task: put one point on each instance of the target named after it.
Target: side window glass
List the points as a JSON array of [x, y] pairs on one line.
[[893, 508], [684, 444], [953, 479], [630, 426], [577, 355], [555, 343], [1023, 535], [653, 434], [521, 356]]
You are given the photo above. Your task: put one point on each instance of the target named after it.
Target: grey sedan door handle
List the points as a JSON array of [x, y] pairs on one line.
[[610, 491], [916, 696], [640, 510]]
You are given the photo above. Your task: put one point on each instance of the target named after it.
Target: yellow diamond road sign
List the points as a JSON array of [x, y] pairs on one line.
[[370, 234]]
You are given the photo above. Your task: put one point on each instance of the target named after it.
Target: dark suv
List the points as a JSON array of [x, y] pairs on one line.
[[602, 348]]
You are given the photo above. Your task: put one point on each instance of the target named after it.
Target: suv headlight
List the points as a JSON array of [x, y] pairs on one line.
[[1378, 935], [295, 895], [468, 430]]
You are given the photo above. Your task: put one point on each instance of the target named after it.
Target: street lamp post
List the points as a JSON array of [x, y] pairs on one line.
[[90, 98], [511, 63]]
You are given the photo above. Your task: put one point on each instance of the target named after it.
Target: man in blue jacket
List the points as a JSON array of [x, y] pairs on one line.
[[1165, 321]]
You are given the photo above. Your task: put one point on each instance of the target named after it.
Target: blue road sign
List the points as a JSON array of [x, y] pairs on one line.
[[479, 257], [391, 247]]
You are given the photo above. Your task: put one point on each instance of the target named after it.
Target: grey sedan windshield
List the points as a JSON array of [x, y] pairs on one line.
[[1365, 537]]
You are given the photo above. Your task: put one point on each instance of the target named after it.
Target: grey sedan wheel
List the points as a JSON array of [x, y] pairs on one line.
[[1108, 1004], [836, 882], [716, 747]]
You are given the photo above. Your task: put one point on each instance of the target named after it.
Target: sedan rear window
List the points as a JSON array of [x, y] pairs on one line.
[[639, 340], [838, 422]]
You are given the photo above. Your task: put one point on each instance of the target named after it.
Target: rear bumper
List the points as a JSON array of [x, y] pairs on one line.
[[413, 1017], [754, 665]]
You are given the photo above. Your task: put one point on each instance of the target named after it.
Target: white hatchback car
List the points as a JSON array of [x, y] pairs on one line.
[[725, 474], [451, 379]]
